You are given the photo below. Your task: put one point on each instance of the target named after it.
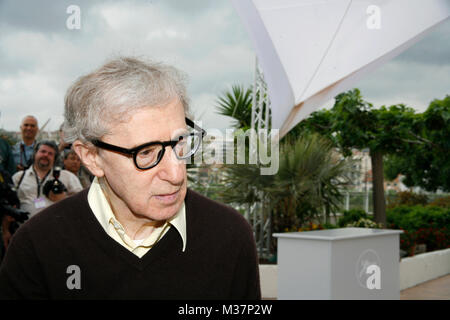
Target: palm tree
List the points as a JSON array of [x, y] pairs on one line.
[[237, 104], [309, 177], [308, 181]]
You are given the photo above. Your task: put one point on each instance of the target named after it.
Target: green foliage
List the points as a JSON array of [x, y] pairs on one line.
[[415, 145], [422, 225], [424, 160], [328, 225], [353, 123], [352, 216], [237, 104], [310, 177], [409, 198], [416, 217], [9, 137], [441, 202]]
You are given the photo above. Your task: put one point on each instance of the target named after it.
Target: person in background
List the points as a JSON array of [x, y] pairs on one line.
[[7, 162], [72, 163], [63, 147], [23, 150], [31, 183], [7, 169]]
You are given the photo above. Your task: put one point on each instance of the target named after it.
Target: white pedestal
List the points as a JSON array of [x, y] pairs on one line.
[[347, 263]]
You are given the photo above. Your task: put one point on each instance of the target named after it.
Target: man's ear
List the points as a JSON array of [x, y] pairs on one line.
[[89, 157]]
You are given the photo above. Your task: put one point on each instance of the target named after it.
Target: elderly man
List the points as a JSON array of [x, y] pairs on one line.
[[23, 150], [138, 231]]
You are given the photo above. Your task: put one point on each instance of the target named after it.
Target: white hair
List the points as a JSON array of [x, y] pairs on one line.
[[112, 93]]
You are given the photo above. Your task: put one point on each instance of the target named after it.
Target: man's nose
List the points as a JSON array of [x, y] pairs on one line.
[[171, 168]]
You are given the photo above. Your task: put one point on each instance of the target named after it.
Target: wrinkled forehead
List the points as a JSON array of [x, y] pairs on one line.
[[151, 121]]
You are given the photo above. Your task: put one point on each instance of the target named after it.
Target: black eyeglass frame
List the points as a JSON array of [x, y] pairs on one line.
[[134, 151]]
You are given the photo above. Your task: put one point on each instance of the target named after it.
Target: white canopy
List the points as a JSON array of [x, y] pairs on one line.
[[311, 50]]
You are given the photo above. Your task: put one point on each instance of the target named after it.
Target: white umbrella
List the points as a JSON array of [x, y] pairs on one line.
[[311, 50]]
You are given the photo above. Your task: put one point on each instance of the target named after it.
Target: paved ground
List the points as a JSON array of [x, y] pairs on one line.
[[437, 289]]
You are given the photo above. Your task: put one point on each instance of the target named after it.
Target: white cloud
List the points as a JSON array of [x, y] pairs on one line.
[[40, 58], [411, 83], [37, 96], [204, 111], [204, 47]]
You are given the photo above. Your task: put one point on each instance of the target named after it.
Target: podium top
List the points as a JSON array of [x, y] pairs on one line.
[[338, 234]]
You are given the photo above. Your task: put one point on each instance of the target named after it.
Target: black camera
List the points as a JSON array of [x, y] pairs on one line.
[[54, 185], [9, 202]]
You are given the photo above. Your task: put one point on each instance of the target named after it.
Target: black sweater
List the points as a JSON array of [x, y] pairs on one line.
[[219, 262]]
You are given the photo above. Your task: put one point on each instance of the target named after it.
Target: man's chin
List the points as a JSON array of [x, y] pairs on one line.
[[165, 212], [44, 166]]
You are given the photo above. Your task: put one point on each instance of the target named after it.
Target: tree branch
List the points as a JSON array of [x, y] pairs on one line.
[[423, 140]]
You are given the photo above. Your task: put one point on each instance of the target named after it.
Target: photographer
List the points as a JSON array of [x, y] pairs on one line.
[[42, 185]]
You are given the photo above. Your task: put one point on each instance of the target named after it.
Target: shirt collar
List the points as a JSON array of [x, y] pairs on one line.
[[32, 171], [102, 211], [31, 146]]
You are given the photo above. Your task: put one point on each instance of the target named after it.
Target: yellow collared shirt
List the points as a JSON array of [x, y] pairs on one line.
[[105, 216]]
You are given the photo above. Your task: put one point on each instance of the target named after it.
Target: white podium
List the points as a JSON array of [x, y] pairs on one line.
[[346, 263]]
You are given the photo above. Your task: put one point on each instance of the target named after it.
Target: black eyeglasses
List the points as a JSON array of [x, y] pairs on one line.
[[148, 155]]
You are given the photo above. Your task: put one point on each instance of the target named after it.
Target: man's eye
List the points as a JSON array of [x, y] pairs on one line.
[[145, 152], [148, 152]]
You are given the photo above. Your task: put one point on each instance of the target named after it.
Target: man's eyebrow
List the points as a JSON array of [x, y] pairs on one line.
[[180, 132]]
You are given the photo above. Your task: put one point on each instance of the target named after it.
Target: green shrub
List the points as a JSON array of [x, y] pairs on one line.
[[441, 202], [351, 216], [422, 225], [413, 218], [408, 198], [327, 225]]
